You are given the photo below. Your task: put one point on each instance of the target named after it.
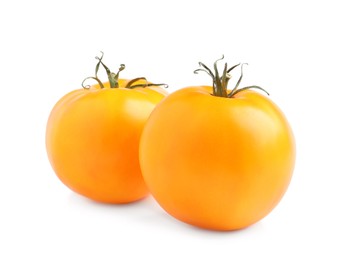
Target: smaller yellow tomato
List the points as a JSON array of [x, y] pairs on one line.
[[92, 138]]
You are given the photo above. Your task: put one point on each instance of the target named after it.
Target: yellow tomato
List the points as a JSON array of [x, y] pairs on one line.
[[217, 162], [92, 139]]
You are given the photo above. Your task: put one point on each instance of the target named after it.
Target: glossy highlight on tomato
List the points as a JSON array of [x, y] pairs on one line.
[[215, 158]]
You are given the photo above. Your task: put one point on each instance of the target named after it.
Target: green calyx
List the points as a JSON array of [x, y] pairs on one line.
[[131, 84], [114, 77], [220, 82]]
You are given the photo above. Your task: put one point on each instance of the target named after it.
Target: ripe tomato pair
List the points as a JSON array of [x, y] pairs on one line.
[[211, 157]]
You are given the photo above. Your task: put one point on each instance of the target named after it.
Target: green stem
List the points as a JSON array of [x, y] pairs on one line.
[[88, 86], [131, 82], [112, 77], [240, 79], [246, 88], [220, 83]]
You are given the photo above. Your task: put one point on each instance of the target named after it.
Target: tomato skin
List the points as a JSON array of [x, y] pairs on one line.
[[217, 163], [92, 139]]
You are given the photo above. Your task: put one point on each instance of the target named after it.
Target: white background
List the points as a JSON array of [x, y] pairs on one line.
[[294, 50]]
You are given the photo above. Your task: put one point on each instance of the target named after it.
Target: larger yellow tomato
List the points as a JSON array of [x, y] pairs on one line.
[[217, 159], [92, 139]]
